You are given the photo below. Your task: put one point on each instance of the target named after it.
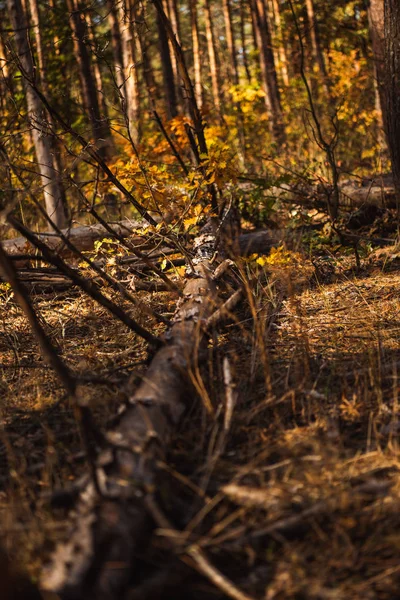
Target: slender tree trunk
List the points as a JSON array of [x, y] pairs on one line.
[[36, 33], [168, 73], [317, 51], [198, 89], [116, 45], [170, 11], [97, 73], [5, 77], [376, 20], [53, 194], [131, 104], [254, 25], [243, 41], [392, 64], [230, 40], [212, 57], [268, 71], [147, 68], [174, 18], [88, 86], [280, 43]]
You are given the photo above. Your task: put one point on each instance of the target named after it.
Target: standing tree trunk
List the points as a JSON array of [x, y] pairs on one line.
[[392, 63], [97, 73], [116, 45], [131, 104], [268, 71], [174, 18], [53, 194], [55, 143], [317, 52], [198, 90], [170, 10], [279, 42], [230, 40], [5, 77], [100, 130], [243, 20], [212, 57], [168, 72], [376, 20]]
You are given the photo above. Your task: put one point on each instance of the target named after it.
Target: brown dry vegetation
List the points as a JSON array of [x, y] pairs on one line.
[[293, 496]]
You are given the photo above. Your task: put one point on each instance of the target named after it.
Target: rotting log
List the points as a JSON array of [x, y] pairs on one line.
[[110, 524]]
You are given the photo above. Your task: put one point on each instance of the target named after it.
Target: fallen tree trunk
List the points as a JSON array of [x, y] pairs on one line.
[[83, 237], [378, 192], [110, 522], [352, 193], [48, 280]]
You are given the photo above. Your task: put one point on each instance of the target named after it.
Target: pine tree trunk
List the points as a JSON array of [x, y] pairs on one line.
[[392, 64], [97, 73], [376, 20], [230, 40], [131, 107], [53, 194], [212, 57], [174, 18], [268, 71], [87, 81], [168, 73], [170, 11], [116, 45], [6, 87], [317, 52], [279, 42], [198, 89], [243, 41]]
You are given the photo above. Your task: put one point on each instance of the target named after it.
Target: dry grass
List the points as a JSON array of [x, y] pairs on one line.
[[294, 495]]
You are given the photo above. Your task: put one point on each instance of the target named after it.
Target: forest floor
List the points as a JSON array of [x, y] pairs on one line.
[[294, 495]]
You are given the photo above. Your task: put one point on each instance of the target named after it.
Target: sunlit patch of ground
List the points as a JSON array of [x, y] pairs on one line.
[[296, 495]]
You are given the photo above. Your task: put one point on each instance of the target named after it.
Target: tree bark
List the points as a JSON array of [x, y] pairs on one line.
[[268, 71], [35, 21], [110, 521], [170, 9], [230, 40], [97, 74], [131, 104], [243, 41], [168, 72], [53, 194], [198, 88], [376, 20], [317, 52], [392, 64], [280, 43], [212, 57], [88, 87], [116, 45]]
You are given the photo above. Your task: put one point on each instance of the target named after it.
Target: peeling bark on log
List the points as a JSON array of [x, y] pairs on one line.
[[110, 523]]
